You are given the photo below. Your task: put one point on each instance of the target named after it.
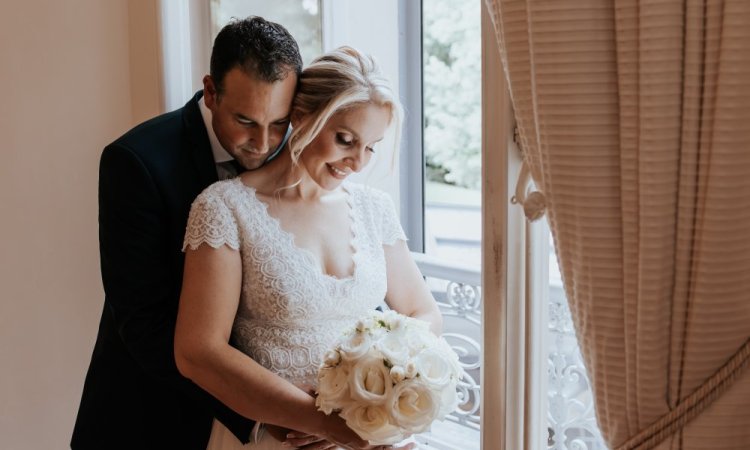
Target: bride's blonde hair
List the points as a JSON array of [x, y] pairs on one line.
[[339, 80]]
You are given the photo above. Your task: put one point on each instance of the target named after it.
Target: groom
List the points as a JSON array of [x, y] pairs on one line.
[[134, 397]]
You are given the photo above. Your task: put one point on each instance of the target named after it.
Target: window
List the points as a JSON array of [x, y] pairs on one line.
[[548, 401], [525, 385], [451, 135], [451, 48], [571, 420], [301, 17]]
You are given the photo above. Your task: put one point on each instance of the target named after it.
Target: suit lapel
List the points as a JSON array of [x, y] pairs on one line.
[[198, 143]]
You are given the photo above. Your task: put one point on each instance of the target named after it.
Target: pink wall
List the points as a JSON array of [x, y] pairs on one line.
[[74, 76]]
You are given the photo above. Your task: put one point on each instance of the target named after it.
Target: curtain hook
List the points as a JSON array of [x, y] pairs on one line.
[[534, 203]]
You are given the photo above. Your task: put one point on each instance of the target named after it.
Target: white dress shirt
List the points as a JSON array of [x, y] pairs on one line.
[[222, 158]]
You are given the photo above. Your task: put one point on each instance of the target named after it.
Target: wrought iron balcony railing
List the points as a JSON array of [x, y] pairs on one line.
[[570, 417]]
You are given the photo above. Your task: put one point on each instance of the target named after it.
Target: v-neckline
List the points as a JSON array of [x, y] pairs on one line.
[[305, 252]]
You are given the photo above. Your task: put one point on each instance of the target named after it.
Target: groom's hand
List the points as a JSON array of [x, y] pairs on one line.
[[309, 442], [336, 430], [409, 446], [302, 441], [298, 440]]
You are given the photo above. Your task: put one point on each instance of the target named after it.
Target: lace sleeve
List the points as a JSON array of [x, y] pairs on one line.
[[211, 221], [390, 229]]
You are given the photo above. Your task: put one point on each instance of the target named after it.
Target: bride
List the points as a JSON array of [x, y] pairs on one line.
[[281, 259]]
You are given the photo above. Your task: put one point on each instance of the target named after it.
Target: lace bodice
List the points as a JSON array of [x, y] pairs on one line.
[[290, 312]]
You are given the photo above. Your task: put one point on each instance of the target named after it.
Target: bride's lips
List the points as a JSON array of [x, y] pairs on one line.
[[336, 172]]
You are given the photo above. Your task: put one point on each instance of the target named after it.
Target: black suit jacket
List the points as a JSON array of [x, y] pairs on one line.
[[134, 397]]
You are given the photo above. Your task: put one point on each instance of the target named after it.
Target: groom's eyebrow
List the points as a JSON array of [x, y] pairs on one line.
[[248, 119], [244, 117]]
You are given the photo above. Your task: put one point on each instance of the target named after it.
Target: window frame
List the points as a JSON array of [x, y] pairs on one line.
[[497, 281], [411, 158], [513, 344], [183, 67]]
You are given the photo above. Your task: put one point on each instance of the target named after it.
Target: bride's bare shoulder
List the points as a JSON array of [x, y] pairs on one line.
[[261, 180], [253, 178]]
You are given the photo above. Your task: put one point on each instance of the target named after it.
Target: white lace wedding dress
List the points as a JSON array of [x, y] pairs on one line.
[[290, 312]]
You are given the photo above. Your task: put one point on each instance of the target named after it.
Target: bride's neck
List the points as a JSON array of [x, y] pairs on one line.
[[288, 180]]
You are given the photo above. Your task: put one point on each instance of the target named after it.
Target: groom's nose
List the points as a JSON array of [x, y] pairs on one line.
[[260, 139]]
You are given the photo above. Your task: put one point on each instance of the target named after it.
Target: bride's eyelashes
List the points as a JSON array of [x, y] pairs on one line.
[[344, 139]]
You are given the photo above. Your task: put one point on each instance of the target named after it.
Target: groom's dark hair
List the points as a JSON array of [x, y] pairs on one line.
[[260, 48]]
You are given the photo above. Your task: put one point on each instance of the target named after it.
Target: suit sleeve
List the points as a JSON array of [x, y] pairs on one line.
[[136, 272], [139, 277]]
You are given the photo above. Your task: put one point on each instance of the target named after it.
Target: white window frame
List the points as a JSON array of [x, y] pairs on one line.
[[411, 167], [499, 316], [334, 12], [183, 67], [514, 278], [514, 263]]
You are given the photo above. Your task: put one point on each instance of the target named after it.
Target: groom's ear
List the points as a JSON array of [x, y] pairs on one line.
[[209, 92]]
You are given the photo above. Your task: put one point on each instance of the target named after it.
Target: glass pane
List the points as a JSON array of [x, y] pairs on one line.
[[571, 419], [451, 77], [452, 129], [301, 17]]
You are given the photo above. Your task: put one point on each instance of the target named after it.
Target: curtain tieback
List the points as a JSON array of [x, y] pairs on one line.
[[534, 203], [693, 405]]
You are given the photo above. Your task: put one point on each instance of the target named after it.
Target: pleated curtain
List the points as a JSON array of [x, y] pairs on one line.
[[634, 119]]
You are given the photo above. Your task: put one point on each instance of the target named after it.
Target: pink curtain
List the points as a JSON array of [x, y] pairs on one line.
[[634, 117]]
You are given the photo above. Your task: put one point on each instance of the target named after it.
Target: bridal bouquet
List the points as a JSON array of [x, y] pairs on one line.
[[389, 377]]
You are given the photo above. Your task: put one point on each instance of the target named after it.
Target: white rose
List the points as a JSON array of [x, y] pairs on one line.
[[395, 320], [418, 324], [390, 315], [379, 326], [393, 348], [453, 358], [377, 333], [355, 346], [411, 369], [332, 358], [413, 405], [419, 339], [434, 367], [372, 423], [378, 321], [333, 388], [398, 374], [448, 400], [370, 380], [361, 325]]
